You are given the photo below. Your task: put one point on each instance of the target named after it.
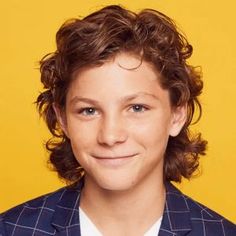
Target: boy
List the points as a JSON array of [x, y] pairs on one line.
[[119, 98]]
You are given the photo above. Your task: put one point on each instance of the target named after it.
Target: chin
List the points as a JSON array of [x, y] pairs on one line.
[[115, 183], [117, 186]]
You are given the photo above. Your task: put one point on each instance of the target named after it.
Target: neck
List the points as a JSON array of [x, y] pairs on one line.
[[114, 210]]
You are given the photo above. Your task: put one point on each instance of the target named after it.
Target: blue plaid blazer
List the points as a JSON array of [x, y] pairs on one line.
[[57, 214]]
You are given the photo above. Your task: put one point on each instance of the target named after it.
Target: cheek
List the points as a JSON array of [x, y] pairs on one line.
[[81, 146], [81, 136], [154, 124], [152, 133]]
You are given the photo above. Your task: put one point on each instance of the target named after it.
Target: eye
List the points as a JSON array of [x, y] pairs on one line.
[[138, 108], [88, 111]]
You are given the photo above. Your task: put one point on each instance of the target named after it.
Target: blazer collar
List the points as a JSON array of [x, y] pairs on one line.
[[175, 221], [176, 218], [66, 215]]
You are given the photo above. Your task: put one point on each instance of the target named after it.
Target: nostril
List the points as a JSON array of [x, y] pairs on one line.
[[111, 135], [111, 139]]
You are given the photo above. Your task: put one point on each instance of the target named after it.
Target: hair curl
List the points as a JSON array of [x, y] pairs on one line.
[[92, 41]]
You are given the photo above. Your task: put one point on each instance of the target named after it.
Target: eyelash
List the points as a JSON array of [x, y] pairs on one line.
[[143, 108], [90, 111], [83, 111]]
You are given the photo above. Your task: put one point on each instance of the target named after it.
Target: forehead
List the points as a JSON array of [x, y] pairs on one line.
[[123, 75], [129, 61]]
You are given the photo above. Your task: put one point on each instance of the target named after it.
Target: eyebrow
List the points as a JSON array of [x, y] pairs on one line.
[[124, 99]]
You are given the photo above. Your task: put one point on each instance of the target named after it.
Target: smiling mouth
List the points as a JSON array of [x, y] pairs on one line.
[[114, 161], [114, 157]]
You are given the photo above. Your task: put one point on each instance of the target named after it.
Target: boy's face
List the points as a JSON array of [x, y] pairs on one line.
[[119, 122]]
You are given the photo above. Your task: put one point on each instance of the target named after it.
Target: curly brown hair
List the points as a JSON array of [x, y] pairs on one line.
[[95, 39]]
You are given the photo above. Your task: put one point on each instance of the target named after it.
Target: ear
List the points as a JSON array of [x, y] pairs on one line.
[[61, 118], [179, 116]]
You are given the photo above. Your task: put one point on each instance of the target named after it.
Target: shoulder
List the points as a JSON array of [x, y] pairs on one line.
[[209, 219], [202, 219], [33, 215]]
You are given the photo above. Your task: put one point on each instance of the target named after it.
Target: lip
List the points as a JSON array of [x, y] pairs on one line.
[[114, 157], [114, 161]]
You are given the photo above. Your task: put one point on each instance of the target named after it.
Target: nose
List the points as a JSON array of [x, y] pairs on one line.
[[112, 131]]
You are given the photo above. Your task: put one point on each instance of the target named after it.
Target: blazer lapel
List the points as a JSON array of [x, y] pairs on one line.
[[66, 215], [176, 217]]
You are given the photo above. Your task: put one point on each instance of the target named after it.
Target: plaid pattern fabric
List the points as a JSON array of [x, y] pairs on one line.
[[2, 232], [57, 214]]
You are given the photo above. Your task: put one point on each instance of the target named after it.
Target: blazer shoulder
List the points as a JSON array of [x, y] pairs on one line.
[[2, 230], [184, 214], [211, 220], [26, 215]]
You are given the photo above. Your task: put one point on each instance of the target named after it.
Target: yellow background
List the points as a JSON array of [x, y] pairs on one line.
[[27, 32]]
